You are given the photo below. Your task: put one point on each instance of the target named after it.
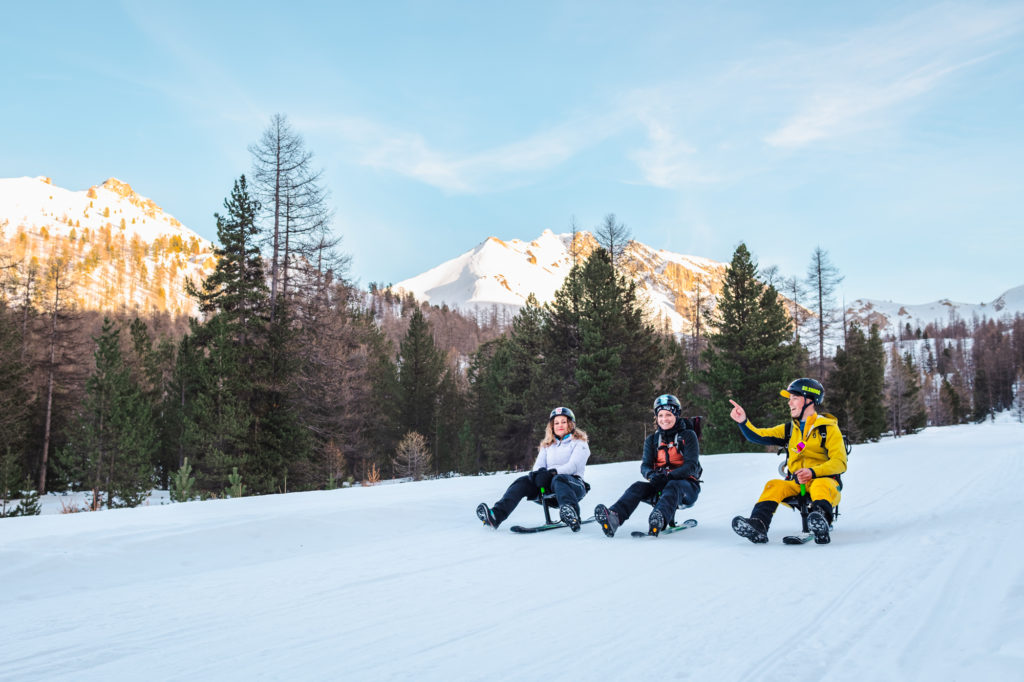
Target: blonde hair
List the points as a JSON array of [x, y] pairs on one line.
[[550, 438]]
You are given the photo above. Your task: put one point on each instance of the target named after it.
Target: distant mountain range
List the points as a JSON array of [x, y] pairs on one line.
[[129, 254], [126, 252], [502, 274]]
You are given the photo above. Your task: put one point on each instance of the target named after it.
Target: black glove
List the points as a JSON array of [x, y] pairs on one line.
[[542, 478], [658, 479]]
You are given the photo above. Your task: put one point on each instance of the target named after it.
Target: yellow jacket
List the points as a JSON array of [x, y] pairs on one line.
[[806, 450]]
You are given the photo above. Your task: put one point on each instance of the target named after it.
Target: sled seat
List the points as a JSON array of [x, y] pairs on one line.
[[549, 501], [802, 504]]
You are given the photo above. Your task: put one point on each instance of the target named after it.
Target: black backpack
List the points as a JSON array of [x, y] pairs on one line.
[[695, 424]]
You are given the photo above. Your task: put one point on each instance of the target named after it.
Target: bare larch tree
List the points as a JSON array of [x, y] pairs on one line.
[[294, 204], [822, 279]]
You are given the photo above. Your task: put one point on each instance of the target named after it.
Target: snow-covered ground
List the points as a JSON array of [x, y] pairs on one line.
[[924, 580]]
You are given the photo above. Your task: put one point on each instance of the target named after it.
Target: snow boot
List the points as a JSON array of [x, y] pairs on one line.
[[484, 513], [569, 517], [752, 529], [656, 522], [608, 519], [755, 528], [818, 521]]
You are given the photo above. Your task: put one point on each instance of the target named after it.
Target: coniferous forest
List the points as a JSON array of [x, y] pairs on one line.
[[292, 378]]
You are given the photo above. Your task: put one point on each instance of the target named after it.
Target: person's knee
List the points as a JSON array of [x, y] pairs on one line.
[[638, 488]]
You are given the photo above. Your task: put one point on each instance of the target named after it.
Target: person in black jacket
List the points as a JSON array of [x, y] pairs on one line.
[[671, 465]]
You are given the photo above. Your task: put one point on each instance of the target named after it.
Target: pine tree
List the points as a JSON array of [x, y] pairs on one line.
[[451, 415], [526, 386], [113, 447], [384, 429], [216, 422], [905, 403], [750, 356], [601, 356], [420, 367], [10, 476], [240, 415], [951, 402], [856, 385], [490, 373], [183, 483], [152, 369], [619, 359], [237, 288], [14, 408]]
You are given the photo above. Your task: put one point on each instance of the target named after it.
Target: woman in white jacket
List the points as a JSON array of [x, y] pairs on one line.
[[561, 459]]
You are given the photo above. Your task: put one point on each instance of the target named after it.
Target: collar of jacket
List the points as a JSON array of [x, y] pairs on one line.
[[671, 433], [819, 419]]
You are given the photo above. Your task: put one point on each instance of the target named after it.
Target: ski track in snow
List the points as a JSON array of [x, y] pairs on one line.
[[924, 580]]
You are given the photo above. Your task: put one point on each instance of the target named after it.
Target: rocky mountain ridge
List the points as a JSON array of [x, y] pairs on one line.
[[501, 274], [123, 251]]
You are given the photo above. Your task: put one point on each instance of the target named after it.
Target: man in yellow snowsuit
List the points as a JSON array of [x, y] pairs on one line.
[[815, 461]]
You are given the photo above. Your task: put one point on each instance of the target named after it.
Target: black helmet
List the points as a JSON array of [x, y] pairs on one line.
[[562, 412], [667, 402], [808, 388]]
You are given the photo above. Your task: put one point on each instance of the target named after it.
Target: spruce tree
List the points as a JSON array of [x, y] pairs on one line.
[[489, 375], [619, 360], [240, 415], [14, 408], [231, 342], [451, 415], [528, 392], [855, 390], [216, 422], [113, 447], [384, 429], [750, 355], [602, 356], [420, 367]]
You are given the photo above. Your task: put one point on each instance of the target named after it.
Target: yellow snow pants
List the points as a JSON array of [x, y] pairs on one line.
[[823, 488]]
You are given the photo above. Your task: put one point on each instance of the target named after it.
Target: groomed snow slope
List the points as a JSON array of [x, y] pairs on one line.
[[924, 580]]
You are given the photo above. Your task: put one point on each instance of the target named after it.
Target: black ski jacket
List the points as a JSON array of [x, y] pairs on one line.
[[687, 446]]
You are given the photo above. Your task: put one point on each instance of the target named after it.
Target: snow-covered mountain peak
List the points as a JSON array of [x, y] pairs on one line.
[[124, 191], [503, 273], [128, 250]]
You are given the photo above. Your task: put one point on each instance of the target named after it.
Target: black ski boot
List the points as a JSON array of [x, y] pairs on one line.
[[755, 528], [570, 517], [608, 519], [818, 521], [484, 513], [656, 522], [752, 529]]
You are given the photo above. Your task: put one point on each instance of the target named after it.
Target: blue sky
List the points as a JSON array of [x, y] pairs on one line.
[[888, 133]]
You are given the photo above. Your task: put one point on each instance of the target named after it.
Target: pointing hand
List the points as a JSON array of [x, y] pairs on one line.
[[738, 414]]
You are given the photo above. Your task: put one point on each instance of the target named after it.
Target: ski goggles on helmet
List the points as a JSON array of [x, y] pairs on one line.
[[562, 412], [667, 402]]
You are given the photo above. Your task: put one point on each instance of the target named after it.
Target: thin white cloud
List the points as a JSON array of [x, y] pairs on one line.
[[410, 155], [860, 83], [709, 130], [668, 161]]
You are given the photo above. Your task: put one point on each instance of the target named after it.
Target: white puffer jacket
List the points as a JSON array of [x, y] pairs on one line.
[[567, 456]]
